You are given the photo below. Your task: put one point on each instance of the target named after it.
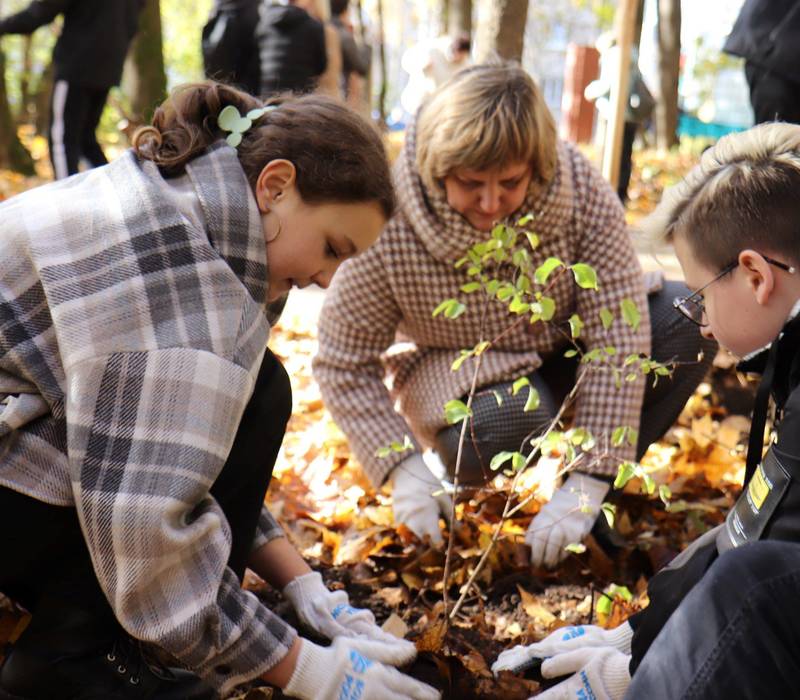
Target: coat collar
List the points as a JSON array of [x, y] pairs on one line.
[[233, 221]]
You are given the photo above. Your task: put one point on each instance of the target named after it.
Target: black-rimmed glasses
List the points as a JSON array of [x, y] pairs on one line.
[[692, 306]]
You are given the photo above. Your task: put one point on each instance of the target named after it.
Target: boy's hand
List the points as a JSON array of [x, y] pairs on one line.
[[343, 670], [599, 672], [418, 498], [566, 518], [330, 614], [563, 640]]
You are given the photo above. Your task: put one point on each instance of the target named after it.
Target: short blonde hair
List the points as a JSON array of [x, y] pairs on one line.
[[744, 193], [486, 116]]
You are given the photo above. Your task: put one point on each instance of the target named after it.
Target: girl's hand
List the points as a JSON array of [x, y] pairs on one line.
[[343, 670], [330, 614]]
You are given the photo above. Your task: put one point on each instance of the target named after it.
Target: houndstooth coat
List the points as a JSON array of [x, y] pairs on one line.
[[385, 297]]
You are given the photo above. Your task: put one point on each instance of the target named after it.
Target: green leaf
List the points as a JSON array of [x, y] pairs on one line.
[[517, 306], [525, 220], [606, 317], [455, 310], [533, 400], [664, 493], [517, 461], [610, 511], [383, 452], [545, 269], [618, 436], [533, 239], [548, 308], [460, 360], [610, 350], [626, 472], [517, 385], [648, 484], [633, 437], [575, 325], [576, 548], [523, 283], [442, 307], [630, 313], [506, 292], [456, 411], [498, 398], [571, 352], [500, 459], [470, 287], [461, 261], [585, 276], [481, 347]]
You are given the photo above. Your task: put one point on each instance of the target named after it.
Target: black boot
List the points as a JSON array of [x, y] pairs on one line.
[[68, 654]]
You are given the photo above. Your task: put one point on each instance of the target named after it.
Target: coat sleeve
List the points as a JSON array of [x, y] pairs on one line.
[[607, 401], [357, 324], [37, 14], [148, 434]]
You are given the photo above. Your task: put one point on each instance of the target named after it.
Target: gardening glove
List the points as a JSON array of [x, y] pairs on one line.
[[562, 640], [566, 518], [330, 614], [418, 498], [599, 672], [342, 671]]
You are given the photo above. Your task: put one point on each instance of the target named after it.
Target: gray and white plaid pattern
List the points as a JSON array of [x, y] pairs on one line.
[[129, 345], [389, 292]]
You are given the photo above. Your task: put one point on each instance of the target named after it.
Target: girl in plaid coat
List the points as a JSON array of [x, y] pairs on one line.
[[141, 411], [483, 150]]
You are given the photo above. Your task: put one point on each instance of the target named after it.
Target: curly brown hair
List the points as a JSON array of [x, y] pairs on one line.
[[338, 155]]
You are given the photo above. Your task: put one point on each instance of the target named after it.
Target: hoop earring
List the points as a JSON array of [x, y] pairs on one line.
[[278, 233]]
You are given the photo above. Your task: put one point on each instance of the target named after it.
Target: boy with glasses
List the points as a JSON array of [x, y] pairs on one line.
[[718, 612]]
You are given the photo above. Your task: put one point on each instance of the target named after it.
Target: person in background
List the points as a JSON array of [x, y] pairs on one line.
[[483, 150], [329, 83], [88, 59], [638, 110], [291, 48], [429, 65], [356, 59], [230, 52], [766, 35]]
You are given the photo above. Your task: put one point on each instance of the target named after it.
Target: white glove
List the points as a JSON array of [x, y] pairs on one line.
[[343, 672], [418, 497], [599, 672], [330, 614], [566, 518], [563, 640]]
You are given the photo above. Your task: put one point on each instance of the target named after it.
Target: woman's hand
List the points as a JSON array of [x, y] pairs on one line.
[[343, 670], [330, 614]]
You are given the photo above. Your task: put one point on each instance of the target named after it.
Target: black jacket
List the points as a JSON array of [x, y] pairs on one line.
[[291, 46], [94, 40], [767, 33], [230, 52], [769, 506]]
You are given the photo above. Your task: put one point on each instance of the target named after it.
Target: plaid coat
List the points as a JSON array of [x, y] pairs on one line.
[[388, 293], [130, 341]]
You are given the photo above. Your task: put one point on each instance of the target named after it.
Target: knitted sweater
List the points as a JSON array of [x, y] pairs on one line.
[[130, 340], [387, 295]]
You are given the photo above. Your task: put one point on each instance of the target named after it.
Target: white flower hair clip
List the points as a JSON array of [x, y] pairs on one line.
[[229, 119]]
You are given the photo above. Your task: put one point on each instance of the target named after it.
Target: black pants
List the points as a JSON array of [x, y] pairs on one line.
[[75, 112], [42, 547], [626, 160], [773, 97], [505, 427], [736, 635]]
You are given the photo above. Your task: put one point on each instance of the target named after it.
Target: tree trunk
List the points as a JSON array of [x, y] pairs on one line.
[[459, 17], [12, 153], [502, 29], [145, 80], [382, 58], [669, 56]]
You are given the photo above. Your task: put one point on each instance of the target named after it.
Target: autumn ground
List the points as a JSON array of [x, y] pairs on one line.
[[345, 529]]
